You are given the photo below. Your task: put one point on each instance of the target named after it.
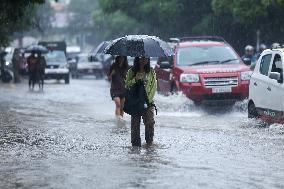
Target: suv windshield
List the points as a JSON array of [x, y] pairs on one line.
[[55, 56], [206, 54]]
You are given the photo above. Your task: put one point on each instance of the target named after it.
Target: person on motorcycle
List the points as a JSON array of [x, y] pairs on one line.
[[249, 56], [275, 46], [262, 47]]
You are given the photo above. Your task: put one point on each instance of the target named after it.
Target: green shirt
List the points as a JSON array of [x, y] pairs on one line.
[[150, 85]]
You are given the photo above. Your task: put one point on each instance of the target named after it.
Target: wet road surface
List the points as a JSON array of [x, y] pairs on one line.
[[67, 137]]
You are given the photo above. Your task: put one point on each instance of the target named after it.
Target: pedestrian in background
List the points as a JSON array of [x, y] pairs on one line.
[[142, 72], [16, 60], [117, 74], [41, 70], [33, 63]]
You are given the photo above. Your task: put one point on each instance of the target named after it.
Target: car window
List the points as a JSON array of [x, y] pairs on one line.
[[264, 64], [167, 59], [192, 55], [55, 56], [83, 59], [277, 58]]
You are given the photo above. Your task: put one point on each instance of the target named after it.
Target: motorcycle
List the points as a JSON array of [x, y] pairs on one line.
[[6, 75]]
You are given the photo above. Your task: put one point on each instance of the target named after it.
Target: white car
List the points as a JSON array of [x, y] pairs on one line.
[[266, 89], [56, 66]]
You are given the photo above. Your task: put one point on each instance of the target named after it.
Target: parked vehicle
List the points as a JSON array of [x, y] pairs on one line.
[[205, 69], [86, 66], [56, 60], [72, 57], [8, 57], [266, 95], [6, 75]]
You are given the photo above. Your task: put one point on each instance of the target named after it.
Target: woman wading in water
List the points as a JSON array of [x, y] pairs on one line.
[[117, 74], [141, 71]]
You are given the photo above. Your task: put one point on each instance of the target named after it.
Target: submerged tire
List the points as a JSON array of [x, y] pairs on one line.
[[252, 112]]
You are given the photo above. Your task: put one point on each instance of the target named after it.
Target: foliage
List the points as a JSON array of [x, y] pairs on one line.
[[236, 20], [15, 16]]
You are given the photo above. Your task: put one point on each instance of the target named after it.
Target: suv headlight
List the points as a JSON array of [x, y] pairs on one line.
[[189, 78], [246, 75]]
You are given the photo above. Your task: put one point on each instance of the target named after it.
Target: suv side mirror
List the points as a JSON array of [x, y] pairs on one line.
[[165, 65], [275, 75], [247, 61]]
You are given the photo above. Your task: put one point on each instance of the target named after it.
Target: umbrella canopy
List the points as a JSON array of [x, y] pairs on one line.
[[138, 46], [36, 49], [100, 48]]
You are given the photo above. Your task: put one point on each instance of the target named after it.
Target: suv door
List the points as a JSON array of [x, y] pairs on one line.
[[275, 88], [258, 83]]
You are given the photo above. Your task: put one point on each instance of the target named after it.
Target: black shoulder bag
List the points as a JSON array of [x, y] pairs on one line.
[[136, 100]]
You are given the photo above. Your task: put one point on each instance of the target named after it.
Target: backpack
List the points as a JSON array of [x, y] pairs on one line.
[[136, 100]]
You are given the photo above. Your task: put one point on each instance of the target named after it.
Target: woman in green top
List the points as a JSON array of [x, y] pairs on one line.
[[141, 70]]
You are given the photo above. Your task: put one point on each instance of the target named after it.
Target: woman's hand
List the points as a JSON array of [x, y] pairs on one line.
[[139, 77]]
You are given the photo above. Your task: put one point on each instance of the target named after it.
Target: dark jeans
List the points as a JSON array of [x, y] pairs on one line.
[[149, 122]]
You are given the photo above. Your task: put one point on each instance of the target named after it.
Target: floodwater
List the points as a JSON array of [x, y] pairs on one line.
[[67, 137]]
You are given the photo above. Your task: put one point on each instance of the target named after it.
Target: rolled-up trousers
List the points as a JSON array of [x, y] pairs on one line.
[[149, 122]]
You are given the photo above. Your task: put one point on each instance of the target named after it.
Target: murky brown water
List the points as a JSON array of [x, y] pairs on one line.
[[67, 137]]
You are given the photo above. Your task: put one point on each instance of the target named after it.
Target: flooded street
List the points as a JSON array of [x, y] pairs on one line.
[[67, 137]]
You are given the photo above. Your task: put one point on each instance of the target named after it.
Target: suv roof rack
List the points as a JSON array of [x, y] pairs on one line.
[[198, 38]]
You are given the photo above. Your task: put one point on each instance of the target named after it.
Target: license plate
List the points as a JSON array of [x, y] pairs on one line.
[[222, 90]]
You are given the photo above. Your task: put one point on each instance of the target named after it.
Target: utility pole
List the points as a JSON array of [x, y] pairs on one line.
[[257, 40]]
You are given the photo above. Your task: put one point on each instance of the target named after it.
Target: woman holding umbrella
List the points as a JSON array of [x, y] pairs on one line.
[[140, 80], [117, 74], [142, 72]]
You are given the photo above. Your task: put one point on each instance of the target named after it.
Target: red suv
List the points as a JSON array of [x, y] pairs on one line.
[[205, 69]]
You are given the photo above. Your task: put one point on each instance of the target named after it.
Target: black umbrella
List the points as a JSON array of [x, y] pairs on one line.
[[100, 48], [36, 49], [138, 46]]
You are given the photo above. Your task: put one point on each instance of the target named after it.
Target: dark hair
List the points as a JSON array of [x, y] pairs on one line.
[[136, 65], [125, 63]]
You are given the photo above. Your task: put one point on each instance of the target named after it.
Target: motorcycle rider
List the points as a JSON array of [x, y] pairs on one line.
[[249, 56], [275, 45], [262, 47]]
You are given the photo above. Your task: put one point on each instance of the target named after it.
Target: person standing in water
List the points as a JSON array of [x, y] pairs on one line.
[[32, 63], [117, 74], [142, 71]]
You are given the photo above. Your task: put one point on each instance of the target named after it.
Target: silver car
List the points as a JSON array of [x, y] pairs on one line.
[[86, 66]]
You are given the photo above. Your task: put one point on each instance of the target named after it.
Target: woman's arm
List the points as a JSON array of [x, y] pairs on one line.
[[153, 86], [110, 73], [130, 79]]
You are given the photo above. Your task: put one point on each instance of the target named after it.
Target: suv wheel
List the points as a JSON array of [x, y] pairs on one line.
[[252, 112]]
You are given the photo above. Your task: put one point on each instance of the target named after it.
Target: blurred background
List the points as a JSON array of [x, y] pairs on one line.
[[88, 22]]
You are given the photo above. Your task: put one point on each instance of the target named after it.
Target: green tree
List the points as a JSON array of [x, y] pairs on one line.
[[166, 18], [240, 19], [15, 16]]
